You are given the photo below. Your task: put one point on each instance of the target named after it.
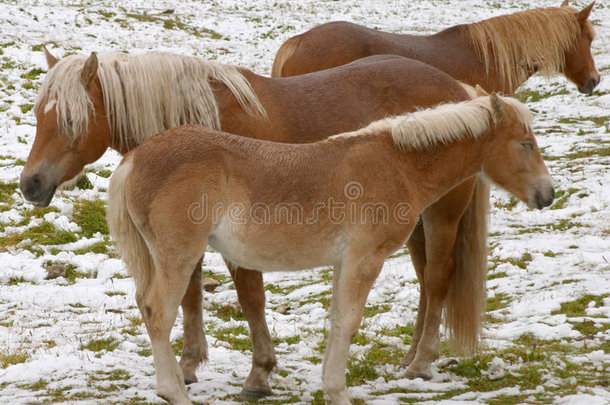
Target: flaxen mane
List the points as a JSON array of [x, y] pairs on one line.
[[443, 124], [144, 94], [526, 40]]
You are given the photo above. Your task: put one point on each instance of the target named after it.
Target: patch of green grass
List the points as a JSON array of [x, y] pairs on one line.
[[498, 301], [97, 345], [561, 197], [8, 359], [97, 247], [37, 386], [228, 312], [237, 337], [43, 234], [362, 369], [577, 307], [600, 152], [372, 310], [106, 173], [404, 332], [90, 215], [6, 192]]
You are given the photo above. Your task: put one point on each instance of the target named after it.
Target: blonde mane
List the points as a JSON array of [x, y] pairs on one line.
[[443, 124], [526, 40], [143, 94]]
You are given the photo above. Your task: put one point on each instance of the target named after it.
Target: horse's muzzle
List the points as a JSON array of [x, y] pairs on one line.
[[588, 87], [36, 190], [542, 193]]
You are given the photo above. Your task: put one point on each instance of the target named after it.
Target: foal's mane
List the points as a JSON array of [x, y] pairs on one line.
[[443, 124], [519, 42], [144, 94]]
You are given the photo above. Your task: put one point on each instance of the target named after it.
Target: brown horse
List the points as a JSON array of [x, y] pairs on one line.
[[499, 53], [87, 105], [419, 157]]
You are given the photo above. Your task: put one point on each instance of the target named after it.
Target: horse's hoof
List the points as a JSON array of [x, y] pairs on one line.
[[416, 374], [405, 362], [254, 393]]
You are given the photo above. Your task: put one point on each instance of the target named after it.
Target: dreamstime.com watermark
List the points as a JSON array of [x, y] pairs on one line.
[[349, 209]]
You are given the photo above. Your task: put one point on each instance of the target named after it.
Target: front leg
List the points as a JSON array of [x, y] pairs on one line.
[[417, 250], [251, 295], [352, 282], [441, 222]]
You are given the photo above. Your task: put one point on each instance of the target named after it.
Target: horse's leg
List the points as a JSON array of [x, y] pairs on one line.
[[251, 295], [352, 281], [195, 346], [441, 221], [159, 307], [417, 251]]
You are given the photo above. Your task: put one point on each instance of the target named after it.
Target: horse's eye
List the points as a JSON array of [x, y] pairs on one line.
[[528, 146]]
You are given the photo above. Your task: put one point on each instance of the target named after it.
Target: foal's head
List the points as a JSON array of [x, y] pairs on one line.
[[513, 159], [71, 130]]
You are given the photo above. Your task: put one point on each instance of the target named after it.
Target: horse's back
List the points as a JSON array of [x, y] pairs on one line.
[[333, 44], [319, 104]]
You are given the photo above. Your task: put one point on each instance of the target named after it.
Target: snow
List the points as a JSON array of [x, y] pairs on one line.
[[51, 319]]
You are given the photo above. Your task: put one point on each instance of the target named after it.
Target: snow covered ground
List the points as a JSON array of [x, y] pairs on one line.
[[79, 339]]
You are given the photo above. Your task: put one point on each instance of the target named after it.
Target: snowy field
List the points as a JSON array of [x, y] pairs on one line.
[[79, 339]]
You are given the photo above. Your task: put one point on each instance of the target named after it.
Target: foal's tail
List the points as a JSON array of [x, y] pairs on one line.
[[129, 240], [283, 54], [466, 298]]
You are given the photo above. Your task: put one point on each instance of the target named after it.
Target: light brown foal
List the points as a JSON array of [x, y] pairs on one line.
[[419, 157]]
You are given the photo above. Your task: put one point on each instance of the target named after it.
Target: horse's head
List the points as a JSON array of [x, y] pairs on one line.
[[71, 130], [514, 161], [579, 65]]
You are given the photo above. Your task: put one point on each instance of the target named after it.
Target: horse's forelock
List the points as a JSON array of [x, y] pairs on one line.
[[63, 90]]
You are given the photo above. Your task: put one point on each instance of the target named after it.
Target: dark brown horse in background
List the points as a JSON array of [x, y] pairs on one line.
[[87, 105], [499, 53]]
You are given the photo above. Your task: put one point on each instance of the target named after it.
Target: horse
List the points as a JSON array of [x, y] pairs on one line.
[[499, 53], [173, 195], [89, 104]]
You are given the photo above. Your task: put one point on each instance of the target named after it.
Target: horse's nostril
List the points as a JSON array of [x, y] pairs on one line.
[[36, 182]]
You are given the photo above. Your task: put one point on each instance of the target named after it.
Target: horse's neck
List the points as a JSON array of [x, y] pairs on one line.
[[451, 50], [436, 170]]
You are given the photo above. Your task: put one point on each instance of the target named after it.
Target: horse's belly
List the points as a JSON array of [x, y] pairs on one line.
[[270, 251]]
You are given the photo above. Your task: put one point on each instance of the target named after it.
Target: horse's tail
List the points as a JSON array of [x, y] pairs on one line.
[[282, 55], [466, 298], [129, 240]]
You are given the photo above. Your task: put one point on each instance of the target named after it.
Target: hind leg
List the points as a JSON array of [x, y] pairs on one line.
[[251, 295], [440, 223], [417, 251], [195, 346], [159, 307]]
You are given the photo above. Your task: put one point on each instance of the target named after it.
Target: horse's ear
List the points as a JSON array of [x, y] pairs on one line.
[[497, 106], [480, 91], [565, 3], [89, 70], [51, 60], [583, 16]]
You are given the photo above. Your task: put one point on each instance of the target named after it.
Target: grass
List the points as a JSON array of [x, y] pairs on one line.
[[43, 234], [577, 307], [90, 215], [8, 358], [97, 345]]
